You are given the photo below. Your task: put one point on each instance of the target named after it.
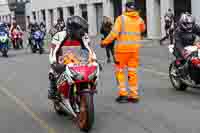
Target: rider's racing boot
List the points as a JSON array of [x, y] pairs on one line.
[[52, 89]]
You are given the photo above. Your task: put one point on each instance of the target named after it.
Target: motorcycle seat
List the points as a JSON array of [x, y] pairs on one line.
[[59, 68]]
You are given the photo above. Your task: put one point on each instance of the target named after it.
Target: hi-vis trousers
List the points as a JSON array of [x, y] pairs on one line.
[[128, 61]]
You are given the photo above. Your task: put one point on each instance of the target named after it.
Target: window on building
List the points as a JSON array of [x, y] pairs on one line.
[[28, 19], [71, 11], [181, 6], [60, 12], [43, 15], [84, 11], [141, 7], [99, 14], [51, 17], [117, 4], [34, 15]]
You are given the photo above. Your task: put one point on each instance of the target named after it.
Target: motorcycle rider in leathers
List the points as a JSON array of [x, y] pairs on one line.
[[185, 35], [169, 26], [31, 29], [15, 26], [56, 51], [58, 27]]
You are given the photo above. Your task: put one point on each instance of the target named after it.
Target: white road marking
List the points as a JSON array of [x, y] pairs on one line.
[[34, 116], [156, 72], [23, 106]]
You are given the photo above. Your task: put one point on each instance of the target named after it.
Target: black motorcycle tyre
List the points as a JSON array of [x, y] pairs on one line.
[[33, 49], [58, 109], [5, 52], [86, 123], [181, 86]]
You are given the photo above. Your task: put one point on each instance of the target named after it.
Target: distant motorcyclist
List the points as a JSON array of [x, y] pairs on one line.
[[15, 26], [59, 26], [73, 32], [6, 27], [170, 14], [3, 28], [31, 29], [185, 35], [169, 26], [43, 27]]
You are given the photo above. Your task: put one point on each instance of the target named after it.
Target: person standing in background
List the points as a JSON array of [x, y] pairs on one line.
[[169, 26], [105, 30], [127, 31]]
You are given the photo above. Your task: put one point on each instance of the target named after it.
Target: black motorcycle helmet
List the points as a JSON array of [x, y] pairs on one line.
[[76, 27], [35, 26], [186, 22], [2, 25]]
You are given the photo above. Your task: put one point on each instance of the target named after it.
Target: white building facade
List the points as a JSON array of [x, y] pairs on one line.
[[5, 14], [49, 11], [152, 11]]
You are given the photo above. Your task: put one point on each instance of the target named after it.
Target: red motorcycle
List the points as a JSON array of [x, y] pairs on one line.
[[76, 84], [185, 73], [17, 40]]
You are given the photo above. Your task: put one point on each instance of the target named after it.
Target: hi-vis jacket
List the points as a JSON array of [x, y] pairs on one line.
[[127, 32]]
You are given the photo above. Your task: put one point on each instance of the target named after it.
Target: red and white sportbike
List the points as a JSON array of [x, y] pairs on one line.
[[77, 78], [186, 73]]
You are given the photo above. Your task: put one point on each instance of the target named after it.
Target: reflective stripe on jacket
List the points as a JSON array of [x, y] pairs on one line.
[[127, 32]]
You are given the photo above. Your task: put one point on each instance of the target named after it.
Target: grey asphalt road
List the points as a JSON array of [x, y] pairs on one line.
[[24, 107]]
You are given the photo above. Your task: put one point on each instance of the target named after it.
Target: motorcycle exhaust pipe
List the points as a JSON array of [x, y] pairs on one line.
[[68, 108]]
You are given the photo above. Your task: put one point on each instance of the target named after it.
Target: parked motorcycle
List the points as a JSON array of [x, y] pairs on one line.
[[37, 42], [17, 39], [76, 85], [185, 73], [4, 44]]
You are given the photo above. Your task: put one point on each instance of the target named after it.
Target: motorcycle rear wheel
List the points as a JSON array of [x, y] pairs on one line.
[[18, 44], [86, 115], [33, 49], [175, 81], [5, 52], [21, 44], [41, 50]]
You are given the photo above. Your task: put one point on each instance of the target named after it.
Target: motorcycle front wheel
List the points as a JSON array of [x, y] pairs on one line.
[[86, 115], [41, 48], [175, 79], [18, 44], [21, 43], [58, 109], [5, 52], [33, 48]]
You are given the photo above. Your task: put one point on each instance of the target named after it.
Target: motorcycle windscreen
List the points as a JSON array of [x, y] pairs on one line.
[[73, 55]]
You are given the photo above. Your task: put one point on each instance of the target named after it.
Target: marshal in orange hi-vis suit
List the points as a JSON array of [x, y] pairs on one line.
[[127, 32]]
